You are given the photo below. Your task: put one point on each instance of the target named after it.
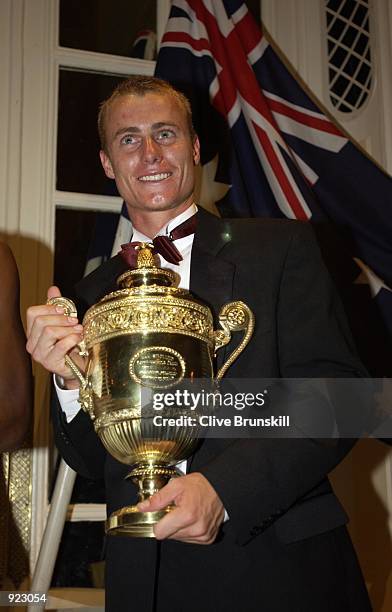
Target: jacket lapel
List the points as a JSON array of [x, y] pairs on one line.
[[101, 281], [211, 278]]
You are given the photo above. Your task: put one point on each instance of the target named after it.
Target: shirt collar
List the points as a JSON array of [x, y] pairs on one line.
[[166, 229]]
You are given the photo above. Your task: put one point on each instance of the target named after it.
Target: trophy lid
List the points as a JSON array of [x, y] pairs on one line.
[[146, 273]]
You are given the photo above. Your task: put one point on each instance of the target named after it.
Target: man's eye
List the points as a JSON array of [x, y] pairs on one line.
[[128, 139], [165, 134]]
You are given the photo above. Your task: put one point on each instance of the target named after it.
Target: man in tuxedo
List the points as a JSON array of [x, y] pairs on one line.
[[256, 525]]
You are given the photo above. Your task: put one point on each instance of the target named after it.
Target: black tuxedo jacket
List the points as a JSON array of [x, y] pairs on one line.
[[284, 547]]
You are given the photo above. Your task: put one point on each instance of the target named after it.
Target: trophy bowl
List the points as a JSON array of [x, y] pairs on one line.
[[148, 336]]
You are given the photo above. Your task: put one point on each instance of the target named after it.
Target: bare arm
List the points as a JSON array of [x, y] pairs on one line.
[[16, 392]]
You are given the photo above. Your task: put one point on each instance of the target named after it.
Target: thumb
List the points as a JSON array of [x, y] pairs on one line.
[[160, 499], [53, 292]]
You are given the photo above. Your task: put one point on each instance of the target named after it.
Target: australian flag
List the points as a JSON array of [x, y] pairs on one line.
[[271, 151]]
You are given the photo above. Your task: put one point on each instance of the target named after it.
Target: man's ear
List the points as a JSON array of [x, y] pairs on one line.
[[106, 164], [196, 151]]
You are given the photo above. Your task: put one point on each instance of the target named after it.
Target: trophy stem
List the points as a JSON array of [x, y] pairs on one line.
[[130, 521], [150, 478]]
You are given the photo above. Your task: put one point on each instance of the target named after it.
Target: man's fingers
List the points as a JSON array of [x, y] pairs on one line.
[[176, 519], [36, 311], [197, 516], [184, 525], [52, 338], [171, 524], [51, 335], [54, 360], [47, 328], [53, 292], [43, 309], [162, 498], [35, 316]]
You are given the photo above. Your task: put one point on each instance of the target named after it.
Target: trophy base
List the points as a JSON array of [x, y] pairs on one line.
[[131, 522]]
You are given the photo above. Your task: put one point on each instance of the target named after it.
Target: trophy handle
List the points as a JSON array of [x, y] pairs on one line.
[[235, 316], [70, 311]]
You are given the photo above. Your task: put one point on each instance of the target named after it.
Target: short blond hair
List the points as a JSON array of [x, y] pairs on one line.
[[140, 85]]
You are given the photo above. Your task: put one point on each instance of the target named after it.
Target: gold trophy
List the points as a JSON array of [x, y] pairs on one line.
[[148, 335]]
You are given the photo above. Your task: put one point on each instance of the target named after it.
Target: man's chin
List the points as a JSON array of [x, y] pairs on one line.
[[163, 205]]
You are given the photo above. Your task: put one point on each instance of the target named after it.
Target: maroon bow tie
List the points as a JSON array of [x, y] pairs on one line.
[[163, 245]]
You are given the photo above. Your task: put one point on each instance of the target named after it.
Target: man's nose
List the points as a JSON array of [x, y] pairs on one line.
[[152, 150]]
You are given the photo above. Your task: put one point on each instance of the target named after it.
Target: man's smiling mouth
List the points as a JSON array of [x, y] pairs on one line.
[[151, 178]]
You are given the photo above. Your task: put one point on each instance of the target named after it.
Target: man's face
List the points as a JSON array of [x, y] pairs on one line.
[[150, 152]]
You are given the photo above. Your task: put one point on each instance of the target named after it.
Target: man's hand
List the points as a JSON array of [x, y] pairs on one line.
[[51, 336], [198, 513]]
